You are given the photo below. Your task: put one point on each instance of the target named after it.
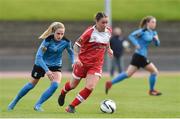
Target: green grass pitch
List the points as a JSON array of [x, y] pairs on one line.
[[130, 96], [83, 10]]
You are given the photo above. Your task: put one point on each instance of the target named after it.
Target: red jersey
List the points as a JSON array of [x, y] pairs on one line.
[[93, 45]]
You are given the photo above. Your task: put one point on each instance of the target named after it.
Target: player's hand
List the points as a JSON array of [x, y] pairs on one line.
[[110, 53], [72, 65], [137, 47], [50, 75], [156, 37]]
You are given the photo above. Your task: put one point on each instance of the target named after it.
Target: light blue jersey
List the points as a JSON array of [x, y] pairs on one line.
[[50, 52], [143, 38]]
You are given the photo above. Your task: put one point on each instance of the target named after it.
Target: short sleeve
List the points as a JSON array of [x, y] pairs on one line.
[[85, 36]]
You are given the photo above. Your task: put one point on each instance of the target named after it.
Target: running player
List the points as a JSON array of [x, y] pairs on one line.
[[89, 52], [141, 39], [48, 61]]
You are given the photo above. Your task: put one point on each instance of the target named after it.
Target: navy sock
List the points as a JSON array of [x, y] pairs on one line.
[[119, 78], [47, 94]]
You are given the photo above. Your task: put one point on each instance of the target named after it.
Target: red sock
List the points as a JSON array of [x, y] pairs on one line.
[[83, 95], [66, 88]]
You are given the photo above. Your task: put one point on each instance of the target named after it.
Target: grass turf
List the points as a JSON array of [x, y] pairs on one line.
[[130, 96], [75, 10]]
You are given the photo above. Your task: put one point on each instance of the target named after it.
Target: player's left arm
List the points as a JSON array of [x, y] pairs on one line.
[[156, 40]]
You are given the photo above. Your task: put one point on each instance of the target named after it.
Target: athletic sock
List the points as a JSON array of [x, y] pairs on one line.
[[27, 87], [119, 78], [83, 95], [47, 94], [152, 81], [66, 88]]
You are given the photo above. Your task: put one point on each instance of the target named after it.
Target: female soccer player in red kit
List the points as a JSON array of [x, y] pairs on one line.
[[89, 52]]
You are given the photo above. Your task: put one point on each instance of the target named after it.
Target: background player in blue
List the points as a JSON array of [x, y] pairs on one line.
[[141, 39], [48, 61]]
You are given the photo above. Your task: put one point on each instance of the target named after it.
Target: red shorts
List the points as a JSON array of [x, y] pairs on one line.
[[82, 71]]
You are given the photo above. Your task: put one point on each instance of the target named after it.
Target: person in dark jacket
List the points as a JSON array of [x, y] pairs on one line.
[[118, 44]]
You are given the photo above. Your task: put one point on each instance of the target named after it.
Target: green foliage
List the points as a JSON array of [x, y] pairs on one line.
[[75, 10], [130, 96]]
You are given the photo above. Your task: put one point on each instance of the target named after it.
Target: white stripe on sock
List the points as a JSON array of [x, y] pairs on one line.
[[80, 98], [64, 89]]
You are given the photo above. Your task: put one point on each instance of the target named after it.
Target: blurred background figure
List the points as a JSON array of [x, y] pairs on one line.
[[118, 45]]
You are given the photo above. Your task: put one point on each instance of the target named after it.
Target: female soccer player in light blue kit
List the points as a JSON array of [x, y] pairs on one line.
[[48, 61], [141, 39]]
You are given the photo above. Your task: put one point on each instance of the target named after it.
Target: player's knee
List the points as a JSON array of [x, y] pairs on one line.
[[129, 74], [30, 86], [73, 86], [155, 72], [90, 86], [34, 81]]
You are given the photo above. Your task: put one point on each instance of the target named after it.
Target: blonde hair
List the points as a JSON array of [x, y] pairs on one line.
[[145, 20], [51, 29]]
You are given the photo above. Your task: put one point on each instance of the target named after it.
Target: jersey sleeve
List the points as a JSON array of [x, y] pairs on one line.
[[39, 56], [134, 36], [155, 33], [110, 30], [84, 37], [156, 41]]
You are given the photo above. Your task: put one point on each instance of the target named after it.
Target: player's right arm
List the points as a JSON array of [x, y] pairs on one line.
[[134, 36], [76, 52], [39, 56], [40, 61], [81, 41]]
